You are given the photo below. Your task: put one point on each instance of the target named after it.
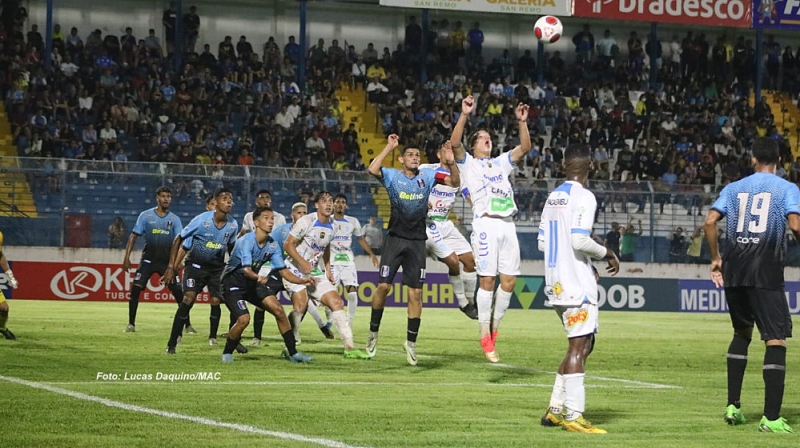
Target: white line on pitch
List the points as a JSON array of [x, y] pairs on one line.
[[328, 383], [644, 384], [173, 415], [600, 378]]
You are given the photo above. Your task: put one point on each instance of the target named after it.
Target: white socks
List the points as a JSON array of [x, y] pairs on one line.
[[557, 397], [501, 301], [312, 310], [484, 301], [575, 396], [342, 324], [470, 280], [458, 289], [352, 304]]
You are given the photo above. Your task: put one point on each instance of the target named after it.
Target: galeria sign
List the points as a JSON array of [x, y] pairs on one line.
[[728, 13]]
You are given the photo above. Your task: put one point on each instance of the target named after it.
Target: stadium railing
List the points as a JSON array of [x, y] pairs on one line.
[[77, 200]]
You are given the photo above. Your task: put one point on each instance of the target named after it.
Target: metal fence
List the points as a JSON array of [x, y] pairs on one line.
[[76, 202]]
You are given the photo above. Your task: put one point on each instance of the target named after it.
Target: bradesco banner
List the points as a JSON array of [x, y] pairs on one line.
[[96, 282], [776, 14], [703, 297], [728, 13], [538, 7], [629, 294]]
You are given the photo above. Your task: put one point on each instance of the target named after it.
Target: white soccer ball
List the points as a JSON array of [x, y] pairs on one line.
[[548, 29]]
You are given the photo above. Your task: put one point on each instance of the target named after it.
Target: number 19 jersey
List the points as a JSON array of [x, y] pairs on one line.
[[569, 278], [754, 251]]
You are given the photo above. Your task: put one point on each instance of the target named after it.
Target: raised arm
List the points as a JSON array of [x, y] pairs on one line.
[[448, 161], [467, 106], [518, 153], [377, 162]]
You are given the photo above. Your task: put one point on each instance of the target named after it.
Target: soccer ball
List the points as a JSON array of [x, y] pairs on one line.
[[548, 29]]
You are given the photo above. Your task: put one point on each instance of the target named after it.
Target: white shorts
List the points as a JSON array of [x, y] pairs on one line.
[[495, 246], [578, 320], [445, 239], [322, 286], [345, 274]]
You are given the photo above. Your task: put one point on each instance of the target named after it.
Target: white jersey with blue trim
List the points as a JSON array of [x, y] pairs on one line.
[[314, 237], [442, 196], [569, 278], [488, 183]]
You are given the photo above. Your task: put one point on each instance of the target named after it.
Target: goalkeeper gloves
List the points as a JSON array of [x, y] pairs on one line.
[[12, 281]]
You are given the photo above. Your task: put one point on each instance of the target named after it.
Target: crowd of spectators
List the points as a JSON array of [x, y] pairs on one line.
[[124, 97]]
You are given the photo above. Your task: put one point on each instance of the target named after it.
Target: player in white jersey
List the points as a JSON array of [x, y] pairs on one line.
[[343, 261], [571, 284], [308, 248], [263, 199], [446, 244], [494, 236]]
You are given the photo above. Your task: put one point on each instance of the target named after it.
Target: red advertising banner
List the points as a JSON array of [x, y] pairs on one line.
[[728, 13], [98, 282]]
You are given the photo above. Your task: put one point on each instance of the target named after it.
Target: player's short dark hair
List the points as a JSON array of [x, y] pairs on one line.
[[405, 149], [340, 196], [577, 151], [766, 151], [209, 198], [220, 191], [318, 197], [163, 189], [263, 191], [260, 211]]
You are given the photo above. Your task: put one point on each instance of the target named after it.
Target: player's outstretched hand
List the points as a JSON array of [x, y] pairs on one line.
[[467, 105], [716, 273], [448, 158], [522, 112], [613, 266], [394, 140]]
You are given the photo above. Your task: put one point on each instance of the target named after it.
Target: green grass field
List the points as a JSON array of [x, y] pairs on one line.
[[655, 379]]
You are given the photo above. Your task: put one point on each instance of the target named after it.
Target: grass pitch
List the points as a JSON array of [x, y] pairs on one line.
[[655, 379]]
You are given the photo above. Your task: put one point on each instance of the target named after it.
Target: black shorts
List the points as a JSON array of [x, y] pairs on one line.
[[410, 254], [766, 308], [147, 269], [237, 291], [195, 277]]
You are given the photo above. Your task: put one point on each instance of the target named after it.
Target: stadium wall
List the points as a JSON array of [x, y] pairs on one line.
[[96, 275], [356, 23]]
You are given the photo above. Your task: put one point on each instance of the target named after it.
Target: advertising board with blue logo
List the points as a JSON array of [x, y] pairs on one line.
[[701, 296], [776, 14]]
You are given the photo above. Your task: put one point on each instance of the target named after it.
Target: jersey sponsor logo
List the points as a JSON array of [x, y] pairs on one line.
[[160, 232], [494, 179], [76, 282], [444, 194], [560, 202], [577, 318], [213, 245], [410, 196], [747, 240]]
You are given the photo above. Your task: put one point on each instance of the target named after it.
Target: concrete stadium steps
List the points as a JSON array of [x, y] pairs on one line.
[[15, 193]]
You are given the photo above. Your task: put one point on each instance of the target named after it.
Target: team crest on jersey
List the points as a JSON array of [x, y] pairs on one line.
[[321, 235], [421, 183], [226, 236], [207, 225], [169, 224], [558, 289]]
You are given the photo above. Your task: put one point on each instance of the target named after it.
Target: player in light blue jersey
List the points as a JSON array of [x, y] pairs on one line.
[[213, 234], [241, 283], [751, 271], [159, 227]]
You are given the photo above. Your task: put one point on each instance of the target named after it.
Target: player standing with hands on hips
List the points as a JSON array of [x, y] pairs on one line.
[[494, 236], [408, 190]]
